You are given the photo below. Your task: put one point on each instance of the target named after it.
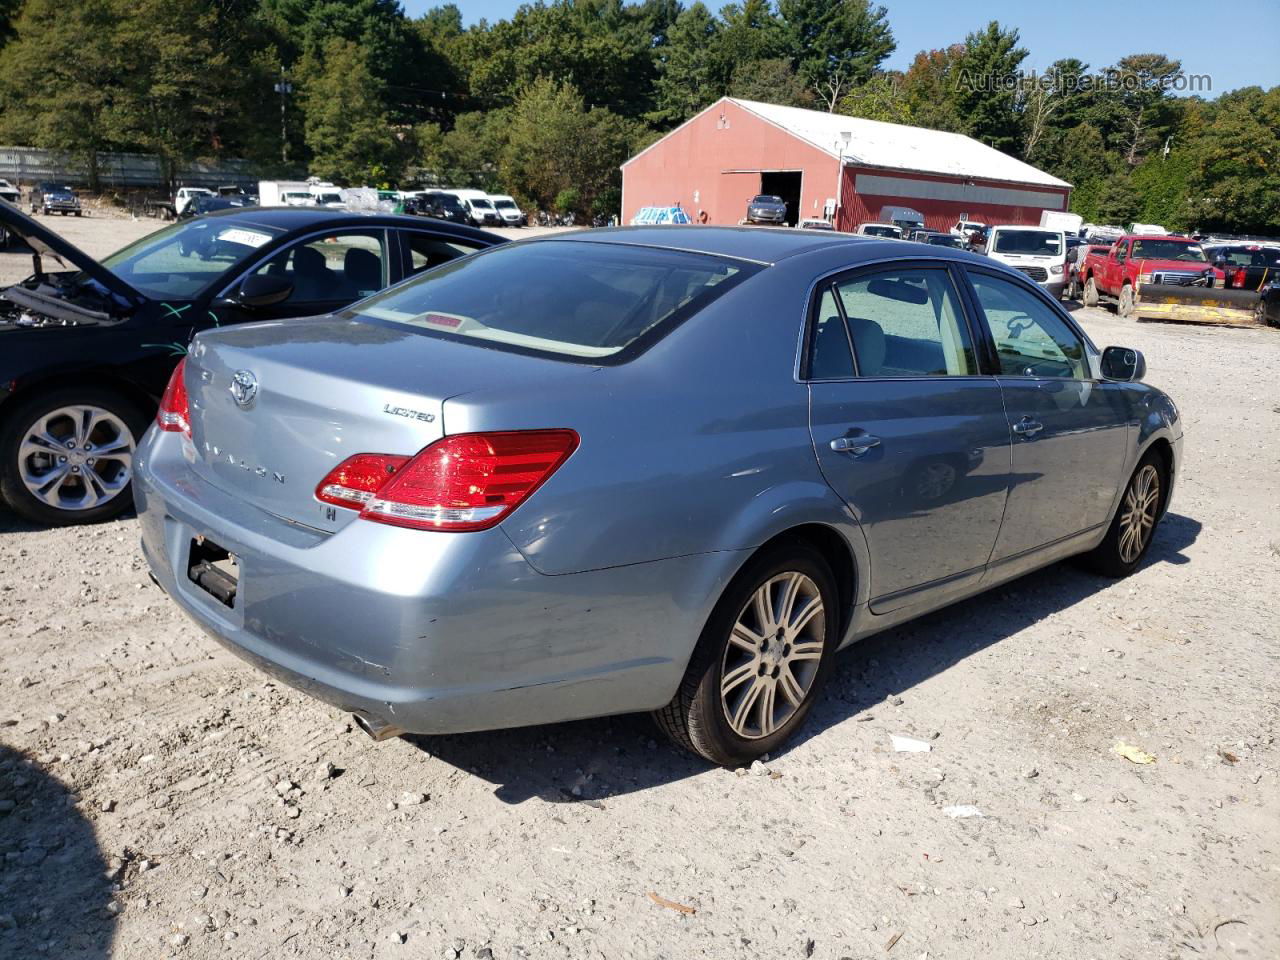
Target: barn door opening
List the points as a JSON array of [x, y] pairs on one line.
[[784, 184]]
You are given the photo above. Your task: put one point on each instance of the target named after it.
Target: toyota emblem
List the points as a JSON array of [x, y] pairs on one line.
[[244, 387]]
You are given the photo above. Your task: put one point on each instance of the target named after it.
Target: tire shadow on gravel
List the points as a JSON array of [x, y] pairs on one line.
[[54, 888], [619, 755]]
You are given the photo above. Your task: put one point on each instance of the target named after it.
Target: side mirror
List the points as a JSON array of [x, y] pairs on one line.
[[1123, 364], [263, 290]]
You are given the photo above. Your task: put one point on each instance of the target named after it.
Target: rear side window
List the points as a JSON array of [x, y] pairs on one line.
[[907, 322], [563, 298], [427, 250]]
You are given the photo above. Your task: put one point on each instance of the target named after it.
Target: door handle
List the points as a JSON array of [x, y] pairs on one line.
[[1027, 427], [856, 445]]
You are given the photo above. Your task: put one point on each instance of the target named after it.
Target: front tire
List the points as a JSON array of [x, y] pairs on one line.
[[66, 455], [1126, 304], [761, 660], [1134, 525]]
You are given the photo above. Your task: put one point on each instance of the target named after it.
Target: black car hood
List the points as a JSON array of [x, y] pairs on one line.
[[45, 241]]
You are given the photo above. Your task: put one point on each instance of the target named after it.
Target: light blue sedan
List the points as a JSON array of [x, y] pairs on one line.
[[644, 469]]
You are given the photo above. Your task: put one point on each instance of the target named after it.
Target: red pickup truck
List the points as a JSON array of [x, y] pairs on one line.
[[1133, 261]]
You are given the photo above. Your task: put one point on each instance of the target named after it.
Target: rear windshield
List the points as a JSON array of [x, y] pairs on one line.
[[567, 299], [1167, 250], [1043, 243], [872, 231]]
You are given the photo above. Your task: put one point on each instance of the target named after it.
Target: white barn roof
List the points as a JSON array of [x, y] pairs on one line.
[[895, 146]]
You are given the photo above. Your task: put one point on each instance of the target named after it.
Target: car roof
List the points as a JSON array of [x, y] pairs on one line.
[[320, 218], [758, 244]]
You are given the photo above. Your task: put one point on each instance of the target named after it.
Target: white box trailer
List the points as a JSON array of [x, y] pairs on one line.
[[283, 193], [1068, 223]]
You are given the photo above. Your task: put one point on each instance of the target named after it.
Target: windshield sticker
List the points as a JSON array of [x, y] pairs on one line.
[[247, 238]]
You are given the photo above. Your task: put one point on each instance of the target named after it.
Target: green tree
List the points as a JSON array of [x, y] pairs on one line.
[[880, 98], [687, 78], [836, 43], [1235, 181], [191, 82], [1118, 202], [347, 129], [987, 84], [58, 77], [556, 144], [771, 81], [929, 89]]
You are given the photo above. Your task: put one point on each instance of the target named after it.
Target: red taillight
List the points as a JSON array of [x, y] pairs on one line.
[[469, 481], [1240, 277], [174, 413], [354, 481]]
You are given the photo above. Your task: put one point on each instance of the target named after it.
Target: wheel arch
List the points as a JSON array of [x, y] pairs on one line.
[[57, 380]]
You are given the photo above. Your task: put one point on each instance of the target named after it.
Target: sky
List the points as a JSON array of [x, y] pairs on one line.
[[1235, 44]]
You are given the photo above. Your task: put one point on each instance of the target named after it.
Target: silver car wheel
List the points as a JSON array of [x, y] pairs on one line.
[[76, 457], [773, 655], [1138, 519]]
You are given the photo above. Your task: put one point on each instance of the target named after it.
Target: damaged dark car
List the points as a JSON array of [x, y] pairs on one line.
[[89, 345]]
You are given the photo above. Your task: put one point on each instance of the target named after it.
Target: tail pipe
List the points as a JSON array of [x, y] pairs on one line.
[[375, 728]]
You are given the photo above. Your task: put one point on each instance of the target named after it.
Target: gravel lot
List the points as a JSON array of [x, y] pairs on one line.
[[159, 798]]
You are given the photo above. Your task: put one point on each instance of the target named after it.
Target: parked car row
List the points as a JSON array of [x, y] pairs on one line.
[[378, 495]]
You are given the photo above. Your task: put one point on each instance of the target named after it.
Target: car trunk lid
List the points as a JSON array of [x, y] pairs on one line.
[[275, 406]]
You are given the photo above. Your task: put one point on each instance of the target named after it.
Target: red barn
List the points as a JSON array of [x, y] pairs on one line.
[[833, 167]]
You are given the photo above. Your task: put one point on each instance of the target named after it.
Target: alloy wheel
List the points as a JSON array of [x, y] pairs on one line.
[[1138, 519], [76, 457], [773, 655]]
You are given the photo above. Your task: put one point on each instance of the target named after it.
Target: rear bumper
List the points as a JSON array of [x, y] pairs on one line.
[[428, 632]]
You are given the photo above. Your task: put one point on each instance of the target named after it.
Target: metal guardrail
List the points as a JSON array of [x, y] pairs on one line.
[[29, 165]]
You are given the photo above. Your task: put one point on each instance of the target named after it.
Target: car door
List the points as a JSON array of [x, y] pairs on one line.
[[1069, 428], [907, 429], [328, 271]]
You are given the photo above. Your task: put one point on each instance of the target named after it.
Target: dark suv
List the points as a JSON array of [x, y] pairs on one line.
[[50, 197]]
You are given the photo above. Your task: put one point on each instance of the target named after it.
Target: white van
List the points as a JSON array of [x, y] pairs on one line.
[[478, 206], [889, 231], [509, 210], [1038, 252]]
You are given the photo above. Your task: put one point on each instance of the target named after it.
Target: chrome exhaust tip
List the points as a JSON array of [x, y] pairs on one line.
[[375, 728]]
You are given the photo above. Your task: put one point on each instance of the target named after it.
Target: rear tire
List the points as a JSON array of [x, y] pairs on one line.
[[1090, 293], [42, 487], [761, 660], [1134, 525]]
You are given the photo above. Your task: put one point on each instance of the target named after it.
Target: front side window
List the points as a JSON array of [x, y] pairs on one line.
[[1031, 339], [336, 267], [568, 299], [906, 322]]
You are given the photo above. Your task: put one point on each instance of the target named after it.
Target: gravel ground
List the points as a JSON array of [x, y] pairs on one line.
[[158, 798]]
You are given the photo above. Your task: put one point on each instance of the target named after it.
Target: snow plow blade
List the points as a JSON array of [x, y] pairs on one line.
[[1167, 301]]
